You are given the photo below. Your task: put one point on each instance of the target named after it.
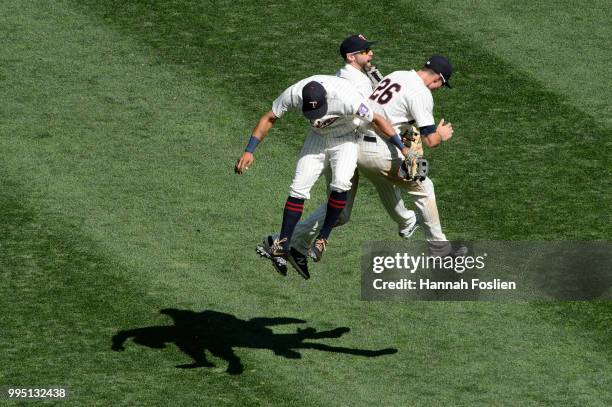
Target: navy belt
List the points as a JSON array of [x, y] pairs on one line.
[[371, 139]]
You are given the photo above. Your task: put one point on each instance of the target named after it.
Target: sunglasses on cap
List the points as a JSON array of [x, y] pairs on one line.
[[362, 52]]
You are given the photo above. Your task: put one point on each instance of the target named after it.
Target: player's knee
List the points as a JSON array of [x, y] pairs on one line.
[[340, 185], [299, 193]]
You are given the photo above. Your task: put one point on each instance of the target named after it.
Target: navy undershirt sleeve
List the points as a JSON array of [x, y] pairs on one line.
[[427, 130]]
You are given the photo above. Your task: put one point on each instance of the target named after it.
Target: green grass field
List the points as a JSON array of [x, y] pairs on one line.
[[119, 127]]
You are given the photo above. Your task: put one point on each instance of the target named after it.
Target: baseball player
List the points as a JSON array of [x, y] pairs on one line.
[[404, 98], [358, 69], [330, 104]]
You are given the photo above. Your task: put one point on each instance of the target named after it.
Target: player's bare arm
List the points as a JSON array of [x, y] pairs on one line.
[[444, 131], [259, 133], [389, 132]]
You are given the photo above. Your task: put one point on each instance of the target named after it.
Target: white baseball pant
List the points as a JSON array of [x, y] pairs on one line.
[[336, 154], [379, 161]]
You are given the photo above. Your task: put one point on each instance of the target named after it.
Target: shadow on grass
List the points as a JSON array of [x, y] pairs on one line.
[[196, 332]]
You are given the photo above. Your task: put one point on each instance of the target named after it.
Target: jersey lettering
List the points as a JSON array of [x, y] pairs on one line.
[[381, 86], [321, 124], [385, 91]]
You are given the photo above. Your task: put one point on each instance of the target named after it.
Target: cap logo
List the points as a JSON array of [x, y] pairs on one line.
[[362, 37], [314, 104]]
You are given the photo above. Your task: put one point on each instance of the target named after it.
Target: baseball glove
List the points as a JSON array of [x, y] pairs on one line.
[[414, 168]]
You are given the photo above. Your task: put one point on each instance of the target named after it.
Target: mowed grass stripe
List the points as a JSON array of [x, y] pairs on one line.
[[563, 48], [322, 291]]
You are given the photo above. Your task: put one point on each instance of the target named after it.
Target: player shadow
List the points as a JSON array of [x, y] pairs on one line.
[[219, 333]]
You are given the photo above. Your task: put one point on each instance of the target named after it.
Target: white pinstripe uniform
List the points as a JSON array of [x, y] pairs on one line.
[[379, 160], [331, 142]]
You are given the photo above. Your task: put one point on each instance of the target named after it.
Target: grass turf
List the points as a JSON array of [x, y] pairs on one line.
[[120, 129]]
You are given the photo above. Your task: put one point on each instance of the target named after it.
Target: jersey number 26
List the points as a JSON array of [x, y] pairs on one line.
[[385, 91]]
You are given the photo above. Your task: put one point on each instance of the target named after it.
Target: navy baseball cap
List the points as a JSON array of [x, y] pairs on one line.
[[354, 43], [442, 66], [314, 100]]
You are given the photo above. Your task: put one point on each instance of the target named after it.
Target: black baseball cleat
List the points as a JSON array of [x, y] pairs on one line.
[[299, 263], [317, 249], [272, 250], [280, 265]]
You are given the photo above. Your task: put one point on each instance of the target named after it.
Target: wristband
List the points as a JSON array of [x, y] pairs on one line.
[[253, 142], [397, 141]]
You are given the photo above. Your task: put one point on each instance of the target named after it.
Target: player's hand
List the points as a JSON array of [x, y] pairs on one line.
[[405, 151], [244, 162], [445, 130]]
